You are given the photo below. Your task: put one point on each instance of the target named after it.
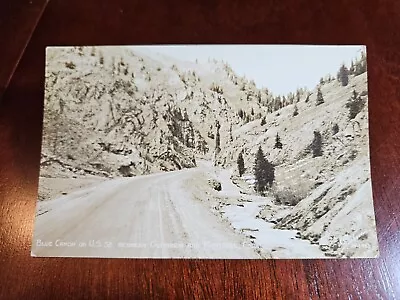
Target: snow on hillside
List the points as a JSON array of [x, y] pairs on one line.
[[339, 174], [122, 112], [338, 215], [111, 111]]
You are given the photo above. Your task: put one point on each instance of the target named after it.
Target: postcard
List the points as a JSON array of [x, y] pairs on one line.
[[205, 151]]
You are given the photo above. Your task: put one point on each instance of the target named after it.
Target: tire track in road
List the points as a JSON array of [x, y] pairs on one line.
[[129, 212], [160, 221]]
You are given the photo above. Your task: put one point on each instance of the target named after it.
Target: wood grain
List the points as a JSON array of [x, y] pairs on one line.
[[18, 19], [88, 22]]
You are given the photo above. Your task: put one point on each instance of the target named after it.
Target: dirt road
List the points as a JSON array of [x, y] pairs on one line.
[[153, 216]]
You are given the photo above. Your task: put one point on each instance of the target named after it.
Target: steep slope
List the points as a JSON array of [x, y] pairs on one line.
[[324, 190], [122, 111], [113, 111], [296, 132]]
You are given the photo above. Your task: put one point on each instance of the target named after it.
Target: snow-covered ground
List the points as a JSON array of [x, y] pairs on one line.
[[243, 217], [151, 216], [277, 242], [114, 112], [157, 216]]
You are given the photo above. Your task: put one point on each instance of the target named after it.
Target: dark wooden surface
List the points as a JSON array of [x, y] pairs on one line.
[[18, 19], [74, 22]]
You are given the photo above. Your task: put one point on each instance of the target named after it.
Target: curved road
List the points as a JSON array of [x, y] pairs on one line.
[[154, 216]]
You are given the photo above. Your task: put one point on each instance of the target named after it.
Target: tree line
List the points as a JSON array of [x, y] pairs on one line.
[[264, 170]]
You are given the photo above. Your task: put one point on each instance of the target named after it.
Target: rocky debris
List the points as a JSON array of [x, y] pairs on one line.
[[321, 216], [52, 166], [216, 185]]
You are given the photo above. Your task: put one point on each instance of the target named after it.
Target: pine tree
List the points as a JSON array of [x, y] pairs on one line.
[[278, 143], [296, 111], [263, 121], [363, 62], [316, 144], [277, 103], [297, 96], [354, 96], [240, 163], [217, 138], [355, 105], [343, 75], [335, 129], [352, 68], [361, 65], [264, 172], [240, 114], [101, 59], [290, 98], [284, 101], [320, 98], [230, 133]]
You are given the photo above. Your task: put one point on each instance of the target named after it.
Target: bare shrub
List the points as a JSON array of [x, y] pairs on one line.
[[125, 171], [216, 88], [216, 185], [70, 65], [288, 195]]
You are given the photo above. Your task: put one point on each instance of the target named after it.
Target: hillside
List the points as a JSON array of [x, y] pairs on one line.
[[123, 112], [111, 111], [329, 197]]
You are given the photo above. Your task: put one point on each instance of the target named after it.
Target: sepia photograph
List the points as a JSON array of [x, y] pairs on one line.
[[205, 151]]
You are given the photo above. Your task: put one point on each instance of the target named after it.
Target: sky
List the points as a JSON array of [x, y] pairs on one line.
[[280, 68]]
